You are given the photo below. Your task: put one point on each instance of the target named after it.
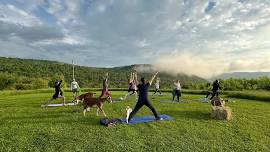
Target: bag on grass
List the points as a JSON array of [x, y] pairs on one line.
[[109, 123]]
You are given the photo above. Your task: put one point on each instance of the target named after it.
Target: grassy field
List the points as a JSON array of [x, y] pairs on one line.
[[25, 126]]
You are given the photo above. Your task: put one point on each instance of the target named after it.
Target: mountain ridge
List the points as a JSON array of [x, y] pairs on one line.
[[86, 76]]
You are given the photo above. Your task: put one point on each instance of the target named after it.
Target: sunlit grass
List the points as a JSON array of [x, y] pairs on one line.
[[25, 126]]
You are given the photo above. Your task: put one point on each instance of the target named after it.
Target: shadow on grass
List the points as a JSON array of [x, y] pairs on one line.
[[198, 115]]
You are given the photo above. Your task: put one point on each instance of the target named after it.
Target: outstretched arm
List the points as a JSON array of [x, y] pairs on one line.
[[153, 77]]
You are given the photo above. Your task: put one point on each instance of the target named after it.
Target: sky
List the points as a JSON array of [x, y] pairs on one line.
[[197, 37]]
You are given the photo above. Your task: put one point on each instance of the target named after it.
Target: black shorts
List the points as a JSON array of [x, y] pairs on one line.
[[131, 90], [55, 96], [75, 90]]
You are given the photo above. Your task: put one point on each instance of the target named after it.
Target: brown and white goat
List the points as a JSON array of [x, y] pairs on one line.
[[81, 97], [90, 102]]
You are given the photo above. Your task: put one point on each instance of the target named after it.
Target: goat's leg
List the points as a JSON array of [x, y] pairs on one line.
[[84, 111], [88, 109], [97, 111], [103, 112]]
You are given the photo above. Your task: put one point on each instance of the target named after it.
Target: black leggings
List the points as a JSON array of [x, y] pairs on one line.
[[132, 90], [139, 106], [157, 90], [214, 93], [177, 93]]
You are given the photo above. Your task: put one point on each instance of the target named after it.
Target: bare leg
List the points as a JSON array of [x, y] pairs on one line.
[[126, 95], [47, 102], [63, 100], [73, 93]]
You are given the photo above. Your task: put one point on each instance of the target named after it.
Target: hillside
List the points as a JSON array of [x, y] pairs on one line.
[[15, 73], [242, 75]]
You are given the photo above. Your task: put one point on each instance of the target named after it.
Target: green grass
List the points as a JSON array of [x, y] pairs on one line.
[[247, 94], [25, 126]]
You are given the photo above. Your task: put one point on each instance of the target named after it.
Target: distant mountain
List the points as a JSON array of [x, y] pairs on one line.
[[25, 69], [241, 75]]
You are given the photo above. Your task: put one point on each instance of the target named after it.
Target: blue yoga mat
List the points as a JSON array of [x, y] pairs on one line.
[[144, 119]]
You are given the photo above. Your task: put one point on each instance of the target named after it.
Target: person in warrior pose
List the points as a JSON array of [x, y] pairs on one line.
[[143, 98], [58, 93]]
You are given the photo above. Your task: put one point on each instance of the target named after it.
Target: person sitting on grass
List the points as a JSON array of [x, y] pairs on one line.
[[75, 88], [143, 99], [58, 93], [177, 90]]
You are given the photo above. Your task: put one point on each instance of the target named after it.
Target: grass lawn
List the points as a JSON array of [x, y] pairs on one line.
[[25, 126]]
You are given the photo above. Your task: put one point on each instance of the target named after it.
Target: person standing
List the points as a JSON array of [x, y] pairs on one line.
[[75, 88], [132, 85], [177, 90], [157, 85], [215, 90], [105, 87], [143, 88]]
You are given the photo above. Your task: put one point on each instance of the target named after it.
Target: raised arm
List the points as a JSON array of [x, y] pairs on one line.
[[60, 82], [153, 77], [131, 78], [134, 77]]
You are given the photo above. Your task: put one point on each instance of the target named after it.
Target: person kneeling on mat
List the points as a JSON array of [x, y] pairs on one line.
[[143, 99]]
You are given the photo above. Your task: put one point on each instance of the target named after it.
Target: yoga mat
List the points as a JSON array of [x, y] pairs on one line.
[[59, 105], [145, 119], [171, 101]]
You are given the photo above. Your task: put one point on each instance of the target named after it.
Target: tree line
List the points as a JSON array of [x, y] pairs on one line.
[[23, 74], [26, 74]]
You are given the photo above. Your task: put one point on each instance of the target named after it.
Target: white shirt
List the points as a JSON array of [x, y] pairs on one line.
[[157, 85], [177, 86], [74, 85]]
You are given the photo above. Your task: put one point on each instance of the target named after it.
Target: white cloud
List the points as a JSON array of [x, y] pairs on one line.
[[249, 65], [191, 64], [220, 35], [13, 15]]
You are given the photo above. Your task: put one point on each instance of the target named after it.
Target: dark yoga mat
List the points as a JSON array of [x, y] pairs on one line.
[[144, 119]]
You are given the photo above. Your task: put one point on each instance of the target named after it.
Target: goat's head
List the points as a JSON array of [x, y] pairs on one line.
[[78, 99], [109, 99]]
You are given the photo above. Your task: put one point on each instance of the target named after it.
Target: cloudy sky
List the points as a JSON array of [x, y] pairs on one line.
[[194, 36]]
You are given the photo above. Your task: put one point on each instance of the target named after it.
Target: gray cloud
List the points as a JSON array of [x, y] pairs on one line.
[[114, 32]]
